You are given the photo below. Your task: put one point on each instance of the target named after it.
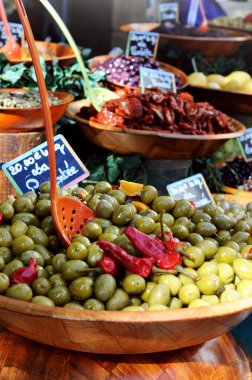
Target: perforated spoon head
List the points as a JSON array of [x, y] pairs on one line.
[[69, 214], [11, 49]]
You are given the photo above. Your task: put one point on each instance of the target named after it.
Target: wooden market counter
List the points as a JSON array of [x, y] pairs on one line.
[[218, 359]]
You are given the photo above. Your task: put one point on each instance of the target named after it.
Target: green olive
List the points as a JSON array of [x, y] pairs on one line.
[[23, 204], [205, 229], [182, 208], [153, 215], [175, 303], [211, 299], [92, 230], [12, 266], [4, 282], [44, 187], [188, 293], [26, 255], [93, 304], [32, 196], [242, 226], [193, 238], [104, 287], [208, 283], [244, 288], [41, 286], [19, 291], [38, 235], [104, 223], [27, 218], [133, 308], [73, 305], [58, 260], [223, 236], [145, 224], [7, 210], [6, 254], [242, 268], [76, 251], [111, 200], [149, 286], [226, 273], [59, 295], [158, 307], [168, 219], [210, 209], [104, 209], [172, 281], [102, 187], [207, 267], [134, 300], [5, 238], [240, 237], [118, 300], [208, 247], [95, 253], [134, 284], [18, 228], [72, 269], [119, 195], [42, 300], [126, 244], [197, 257], [223, 222], [160, 294], [198, 303], [148, 194], [43, 208], [47, 225], [123, 215], [57, 280], [200, 216], [82, 239], [112, 229], [163, 203], [108, 236], [44, 252], [226, 255], [229, 296], [81, 288], [179, 231]]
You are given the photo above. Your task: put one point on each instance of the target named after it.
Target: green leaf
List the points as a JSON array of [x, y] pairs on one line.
[[12, 74]]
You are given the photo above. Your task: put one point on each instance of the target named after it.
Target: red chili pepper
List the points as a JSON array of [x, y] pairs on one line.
[[1, 218], [171, 244], [163, 257], [108, 265], [25, 275], [141, 266]]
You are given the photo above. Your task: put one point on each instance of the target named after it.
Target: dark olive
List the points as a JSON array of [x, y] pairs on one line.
[[43, 208], [104, 223], [44, 252], [47, 225]]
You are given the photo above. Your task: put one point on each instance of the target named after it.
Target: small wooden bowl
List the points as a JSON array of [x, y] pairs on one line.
[[50, 51], [100, 59], [225, 100], [151, 144], [14, 120], [118, 332], [209, 46]]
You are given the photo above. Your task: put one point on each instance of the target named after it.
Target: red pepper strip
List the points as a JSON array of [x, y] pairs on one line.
[[141, 266], [25, 275], [1, 218], [170, 261], [108, 265]]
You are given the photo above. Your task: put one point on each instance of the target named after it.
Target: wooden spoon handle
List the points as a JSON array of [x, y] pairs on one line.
[[43, 94]]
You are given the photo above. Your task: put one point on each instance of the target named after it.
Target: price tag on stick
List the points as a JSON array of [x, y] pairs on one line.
[[193, 188], [16, 31], [245, 143], [168, 12], [141, 44], [157, 78], [31, 169]]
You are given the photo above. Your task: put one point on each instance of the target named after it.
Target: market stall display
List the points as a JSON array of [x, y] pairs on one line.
[[213, 46]]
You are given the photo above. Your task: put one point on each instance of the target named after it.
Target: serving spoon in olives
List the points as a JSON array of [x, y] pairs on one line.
[[69, 215]]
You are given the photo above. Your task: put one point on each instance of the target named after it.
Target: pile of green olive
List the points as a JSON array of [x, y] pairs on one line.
[[217, 239]]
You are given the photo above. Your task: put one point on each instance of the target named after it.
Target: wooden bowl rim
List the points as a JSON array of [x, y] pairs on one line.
[[43, 43], [241, 129], [133, 317], [174, 69], [236, 37], [222, 90], [64, 97]]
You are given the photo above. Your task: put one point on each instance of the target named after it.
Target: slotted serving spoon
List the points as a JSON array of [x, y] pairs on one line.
[[203, 28], [11, 49], [69, 215]]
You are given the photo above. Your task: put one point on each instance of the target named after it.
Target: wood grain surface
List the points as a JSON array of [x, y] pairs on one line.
[[219, 359]]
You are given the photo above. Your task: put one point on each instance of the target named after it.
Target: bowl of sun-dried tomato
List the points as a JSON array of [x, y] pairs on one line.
[[156, 124]]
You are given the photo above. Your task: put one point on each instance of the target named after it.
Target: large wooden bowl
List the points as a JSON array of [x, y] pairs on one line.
[[209, 46], [49, 50], [100, 59], [151, 144], [31, 119], [118, 332], [225, 100]]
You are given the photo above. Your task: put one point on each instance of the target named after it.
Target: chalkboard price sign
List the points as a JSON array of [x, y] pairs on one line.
[[141, 44], [168, 12], [157, 78], [16, 30], [29, 170], [193, 188], [245, 143]]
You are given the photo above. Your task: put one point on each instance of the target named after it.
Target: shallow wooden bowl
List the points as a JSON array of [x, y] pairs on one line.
[[100, 59], [50, 51], [118, 332], [209, 46], [31, 119], [151, 144], [225, 100]]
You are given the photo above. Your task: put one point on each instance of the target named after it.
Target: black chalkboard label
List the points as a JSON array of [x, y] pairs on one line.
[[16, 30], [31, 169], [168, 12], [193, 188], [245, 143], [157, 78], [141, 44]]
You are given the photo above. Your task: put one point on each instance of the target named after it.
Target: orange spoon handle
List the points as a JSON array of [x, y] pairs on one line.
[[5, 21], [43, 94]]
